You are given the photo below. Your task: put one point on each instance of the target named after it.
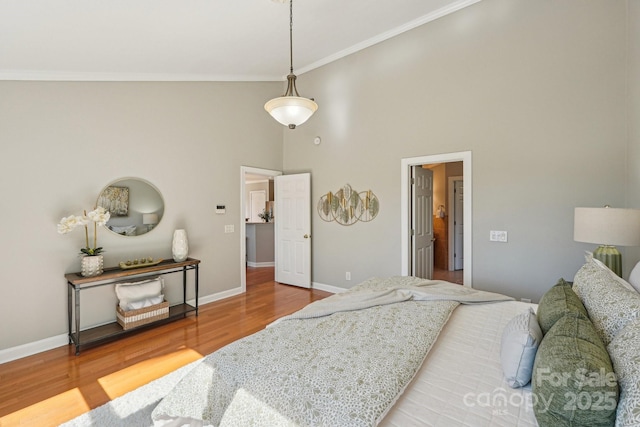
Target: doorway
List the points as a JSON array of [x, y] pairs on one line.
[[440, 208], [249, 178]]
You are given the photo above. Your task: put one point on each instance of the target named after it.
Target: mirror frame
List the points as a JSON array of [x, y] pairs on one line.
[[135, 213]]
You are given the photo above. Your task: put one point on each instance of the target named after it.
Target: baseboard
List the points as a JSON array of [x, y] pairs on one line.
[[29, 349], [328, 288], [260, 264]]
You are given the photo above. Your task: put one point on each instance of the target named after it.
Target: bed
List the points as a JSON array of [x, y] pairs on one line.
[[450, 368]]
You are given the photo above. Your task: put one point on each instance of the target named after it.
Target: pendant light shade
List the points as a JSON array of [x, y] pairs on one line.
[[291, 109]]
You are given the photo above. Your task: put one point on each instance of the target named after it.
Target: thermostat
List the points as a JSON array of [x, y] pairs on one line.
[[220, 209]]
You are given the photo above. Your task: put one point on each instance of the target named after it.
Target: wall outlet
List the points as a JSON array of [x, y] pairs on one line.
[[497, 236], [229, 228], [347, 275]]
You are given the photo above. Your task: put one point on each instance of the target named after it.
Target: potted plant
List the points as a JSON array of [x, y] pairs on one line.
[[92, 261]]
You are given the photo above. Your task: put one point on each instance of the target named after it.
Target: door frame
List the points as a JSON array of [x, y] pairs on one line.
[[405, 208], [451, 201], [243, 209]]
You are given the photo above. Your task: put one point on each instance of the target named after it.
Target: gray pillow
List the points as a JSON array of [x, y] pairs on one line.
[[573, 382], [520, 340], [558, 301]]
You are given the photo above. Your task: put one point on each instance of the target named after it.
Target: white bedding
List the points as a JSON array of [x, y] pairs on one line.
[[461, 381]]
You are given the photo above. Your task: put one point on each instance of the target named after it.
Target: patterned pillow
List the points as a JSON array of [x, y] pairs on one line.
[[610, 305], [556, 302], [625, 355], [573, 381], [520, 340]]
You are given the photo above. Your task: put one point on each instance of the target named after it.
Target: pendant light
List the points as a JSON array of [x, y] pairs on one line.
[[291, 109]]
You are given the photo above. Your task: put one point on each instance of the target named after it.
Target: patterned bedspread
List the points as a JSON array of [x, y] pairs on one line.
[[321, 367]]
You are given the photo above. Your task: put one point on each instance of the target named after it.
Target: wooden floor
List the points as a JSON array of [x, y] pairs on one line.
[[54, 386], [456, 276]]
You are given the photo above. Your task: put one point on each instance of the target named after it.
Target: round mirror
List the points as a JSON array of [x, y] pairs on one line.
[[135, 205]]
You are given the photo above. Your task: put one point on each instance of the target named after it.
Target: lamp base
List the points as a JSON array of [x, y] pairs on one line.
[[610, 256]]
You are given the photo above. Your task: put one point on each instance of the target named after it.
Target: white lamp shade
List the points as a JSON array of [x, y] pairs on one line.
[[607, 226], [291, 110], [149, 219]]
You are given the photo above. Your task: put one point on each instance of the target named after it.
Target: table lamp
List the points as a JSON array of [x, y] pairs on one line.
[[149, 220], [608, 227]]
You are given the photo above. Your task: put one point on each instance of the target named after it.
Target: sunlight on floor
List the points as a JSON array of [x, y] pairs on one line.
[[70, 404], [130, 378], [50, 412]]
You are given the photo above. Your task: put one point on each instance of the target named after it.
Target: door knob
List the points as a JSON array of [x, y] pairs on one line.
[[306, 236]]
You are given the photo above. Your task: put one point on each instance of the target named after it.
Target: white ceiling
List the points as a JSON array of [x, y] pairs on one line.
[[194, 40]]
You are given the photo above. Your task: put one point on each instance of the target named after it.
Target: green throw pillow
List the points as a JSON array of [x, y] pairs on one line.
[[573, 381], [558, 301]]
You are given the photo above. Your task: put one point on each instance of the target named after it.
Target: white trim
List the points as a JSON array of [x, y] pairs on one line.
[[260, 264], [30, 75], [327, 288], [451, 202], [24, 350], [405, 174], [446, 10], [243, 229]]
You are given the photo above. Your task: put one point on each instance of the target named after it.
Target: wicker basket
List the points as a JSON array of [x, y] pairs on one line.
[[134, 318]]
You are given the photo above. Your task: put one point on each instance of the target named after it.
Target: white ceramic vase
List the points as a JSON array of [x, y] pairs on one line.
[[180, 246], [92, 265]]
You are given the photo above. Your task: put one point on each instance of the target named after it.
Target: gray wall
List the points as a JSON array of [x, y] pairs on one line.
[[535, 89], [633, 153], [61, 143]]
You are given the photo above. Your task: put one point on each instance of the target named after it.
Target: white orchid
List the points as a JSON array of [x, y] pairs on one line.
[[98, 216]]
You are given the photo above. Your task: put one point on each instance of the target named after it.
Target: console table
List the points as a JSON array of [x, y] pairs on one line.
[[77, 283]]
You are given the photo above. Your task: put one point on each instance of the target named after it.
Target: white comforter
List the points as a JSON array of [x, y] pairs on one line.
[[341, 361]]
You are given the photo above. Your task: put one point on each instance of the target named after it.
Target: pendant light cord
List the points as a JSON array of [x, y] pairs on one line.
[[291, 35]]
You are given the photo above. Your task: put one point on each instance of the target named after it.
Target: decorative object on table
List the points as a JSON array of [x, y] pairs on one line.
[[115, 200], [180, 246], [150, 220], [266, 215], [346, 206], [141, 262], [608, 227], [92, 262], [291, 109]]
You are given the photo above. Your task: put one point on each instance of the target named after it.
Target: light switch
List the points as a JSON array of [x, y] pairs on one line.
[[229, 228], [498, 236]]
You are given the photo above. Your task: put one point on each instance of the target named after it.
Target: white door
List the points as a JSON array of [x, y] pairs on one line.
[[422, 222], [257, 202], [293, 229], [458, 225]]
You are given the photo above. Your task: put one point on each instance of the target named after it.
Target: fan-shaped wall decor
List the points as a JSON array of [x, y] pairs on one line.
[[346, 206]]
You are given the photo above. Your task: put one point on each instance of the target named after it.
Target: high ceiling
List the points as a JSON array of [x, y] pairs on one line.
[[194, 40]]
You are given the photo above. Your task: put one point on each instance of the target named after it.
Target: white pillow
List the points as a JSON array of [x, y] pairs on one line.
[[147, 302], [127, 230], [625, 356], [634, 277], [613, 275], [520, 340], [138, 291]]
